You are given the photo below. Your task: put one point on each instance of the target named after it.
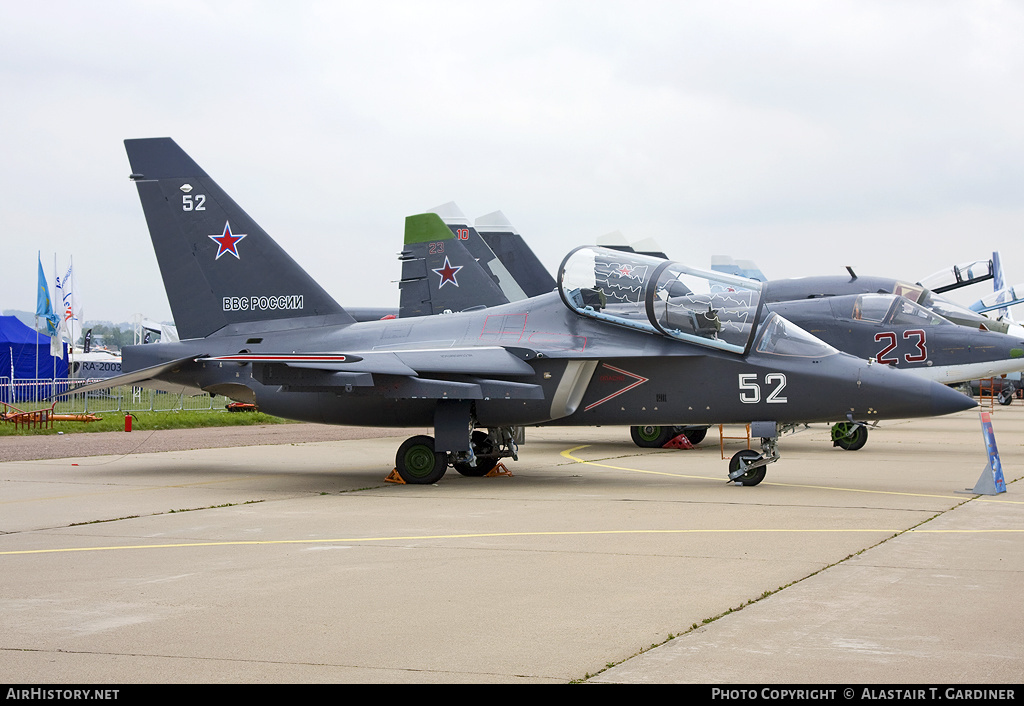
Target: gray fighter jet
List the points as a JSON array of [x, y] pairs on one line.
[[624, 340], [780, 290], [885, 328], [892, 330]]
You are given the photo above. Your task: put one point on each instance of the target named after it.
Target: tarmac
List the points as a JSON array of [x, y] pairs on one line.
[[594, 561]]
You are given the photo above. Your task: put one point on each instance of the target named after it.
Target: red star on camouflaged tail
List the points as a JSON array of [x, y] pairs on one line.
[[227, 243], [447, 273]]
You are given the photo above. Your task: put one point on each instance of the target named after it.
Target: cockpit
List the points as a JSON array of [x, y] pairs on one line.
[[664, 297], [944, 307], [889, 309]]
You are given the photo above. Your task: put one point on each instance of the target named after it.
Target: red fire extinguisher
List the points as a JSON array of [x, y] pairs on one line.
[[128, 422]]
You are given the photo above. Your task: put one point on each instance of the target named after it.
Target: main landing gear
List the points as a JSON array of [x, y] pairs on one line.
[[655, 437], [417, 463], [849, 436]]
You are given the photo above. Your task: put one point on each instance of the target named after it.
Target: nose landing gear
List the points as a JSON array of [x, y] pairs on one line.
[[748, 467]]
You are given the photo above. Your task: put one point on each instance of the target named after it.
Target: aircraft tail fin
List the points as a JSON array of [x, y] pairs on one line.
[[615, 240], [998, 303], [999, 284], [218, 265], [513, 252], [439, 273], [743, 268], [648, 246], [472, 240]]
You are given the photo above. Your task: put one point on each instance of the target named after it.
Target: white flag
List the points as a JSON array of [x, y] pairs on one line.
[[72, 324]]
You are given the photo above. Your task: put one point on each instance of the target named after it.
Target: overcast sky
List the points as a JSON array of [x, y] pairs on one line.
[[805, 135]]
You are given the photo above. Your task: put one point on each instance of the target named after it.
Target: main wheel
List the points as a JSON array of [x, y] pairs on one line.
[[696, 435], [651, 437], [754, 475], [486, 458], [849, 436], [417, 462]]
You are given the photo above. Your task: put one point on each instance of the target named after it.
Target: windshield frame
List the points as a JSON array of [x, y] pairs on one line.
[[790, 332]]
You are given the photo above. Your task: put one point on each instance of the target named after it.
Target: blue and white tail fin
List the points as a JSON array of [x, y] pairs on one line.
[[998, 303], [999, 285], [218, 265], [743, 268]]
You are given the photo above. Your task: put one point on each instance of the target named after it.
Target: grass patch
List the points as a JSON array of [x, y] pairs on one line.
[[148, 421]]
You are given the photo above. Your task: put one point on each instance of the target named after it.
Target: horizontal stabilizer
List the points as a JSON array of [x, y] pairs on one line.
[[1002, 299], [138, 377]]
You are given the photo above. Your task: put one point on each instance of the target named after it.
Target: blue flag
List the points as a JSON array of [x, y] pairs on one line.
[[44, 307]]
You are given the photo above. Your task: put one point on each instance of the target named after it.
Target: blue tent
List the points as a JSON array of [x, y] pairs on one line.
[[24, 347]]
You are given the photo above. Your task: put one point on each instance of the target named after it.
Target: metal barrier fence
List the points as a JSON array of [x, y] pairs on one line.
[[34, 394]]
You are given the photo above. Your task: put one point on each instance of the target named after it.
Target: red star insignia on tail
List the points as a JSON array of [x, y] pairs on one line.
[[227, 243], [447, 273]]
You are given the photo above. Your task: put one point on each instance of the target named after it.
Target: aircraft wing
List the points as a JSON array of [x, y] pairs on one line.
[[399, 374], [491, 360]]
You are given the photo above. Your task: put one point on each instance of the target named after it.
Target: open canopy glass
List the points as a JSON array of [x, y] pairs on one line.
[[661, 296]]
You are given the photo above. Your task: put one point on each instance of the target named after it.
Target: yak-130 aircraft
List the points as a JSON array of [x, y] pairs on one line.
[[888, 328], [622, 341]]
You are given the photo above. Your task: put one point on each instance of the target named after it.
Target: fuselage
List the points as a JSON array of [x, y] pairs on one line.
[[574, 371]]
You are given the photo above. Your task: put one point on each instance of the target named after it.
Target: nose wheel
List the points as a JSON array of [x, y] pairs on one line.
[[742, 469], [748, 467]]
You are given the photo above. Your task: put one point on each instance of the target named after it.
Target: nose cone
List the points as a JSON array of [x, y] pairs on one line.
[[946, 400], [894, 394]]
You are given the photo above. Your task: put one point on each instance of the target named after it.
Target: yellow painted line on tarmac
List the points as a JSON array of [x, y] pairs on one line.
[[568, 454], [492, 535], [475, 535]]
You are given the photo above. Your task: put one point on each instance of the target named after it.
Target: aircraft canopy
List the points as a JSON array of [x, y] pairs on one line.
[[892, 309], [711, 309], [959, 276]]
